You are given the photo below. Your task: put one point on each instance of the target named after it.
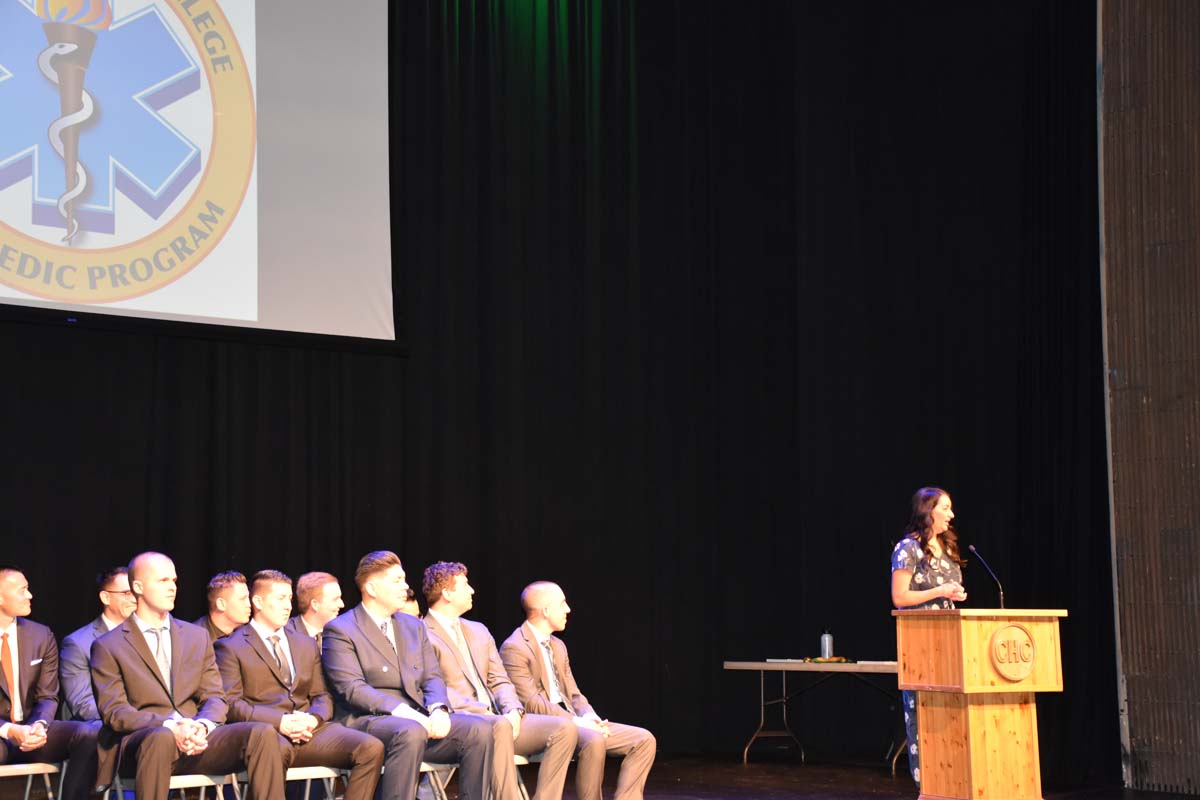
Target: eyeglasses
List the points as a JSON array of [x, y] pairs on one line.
[[120, 591]]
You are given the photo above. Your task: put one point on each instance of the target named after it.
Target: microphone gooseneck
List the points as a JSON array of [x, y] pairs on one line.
[[971, 547]]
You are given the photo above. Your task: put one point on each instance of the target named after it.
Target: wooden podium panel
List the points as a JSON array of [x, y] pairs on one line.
[[964, 650], [978, 745], [975, 672]]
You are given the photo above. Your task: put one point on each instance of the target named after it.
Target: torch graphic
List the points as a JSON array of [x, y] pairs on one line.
[[70, 29]]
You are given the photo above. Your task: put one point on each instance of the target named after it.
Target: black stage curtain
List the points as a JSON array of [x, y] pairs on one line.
[[695, 295]]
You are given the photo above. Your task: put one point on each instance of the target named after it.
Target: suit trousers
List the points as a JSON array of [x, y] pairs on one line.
[[335, 745], [470, 744], [556, 737], [253, 746], [636, 745], [64, 740]]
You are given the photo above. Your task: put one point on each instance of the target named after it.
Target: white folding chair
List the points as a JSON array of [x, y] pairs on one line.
[[440, 775], [28, 771], [201, 782], [327, 775]]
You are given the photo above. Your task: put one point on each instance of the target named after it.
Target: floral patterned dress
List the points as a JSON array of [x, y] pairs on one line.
[[927, 573]]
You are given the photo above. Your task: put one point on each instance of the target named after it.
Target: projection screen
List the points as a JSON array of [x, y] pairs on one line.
[[212, 161]]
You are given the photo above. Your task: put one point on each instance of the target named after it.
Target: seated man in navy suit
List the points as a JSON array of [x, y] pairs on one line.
[[29, 695], [385, 680]]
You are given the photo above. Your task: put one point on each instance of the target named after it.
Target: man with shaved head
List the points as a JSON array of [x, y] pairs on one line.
[[161, 700], [29, 731], [536, 661]]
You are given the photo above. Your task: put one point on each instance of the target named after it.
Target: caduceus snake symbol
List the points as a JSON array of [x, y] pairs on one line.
[[61, 124]]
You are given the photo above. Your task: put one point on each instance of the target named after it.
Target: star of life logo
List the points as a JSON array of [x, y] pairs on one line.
[[127, 143]]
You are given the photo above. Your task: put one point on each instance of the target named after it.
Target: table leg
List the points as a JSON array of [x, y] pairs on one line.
[[763, 702]]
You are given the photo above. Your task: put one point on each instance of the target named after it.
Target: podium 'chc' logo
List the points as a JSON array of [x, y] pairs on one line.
[[1012, 652], [127, 144]]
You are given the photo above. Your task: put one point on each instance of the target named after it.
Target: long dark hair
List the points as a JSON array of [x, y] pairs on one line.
[[921, 522]]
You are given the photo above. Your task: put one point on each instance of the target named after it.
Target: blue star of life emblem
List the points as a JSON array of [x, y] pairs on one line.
[[126, 145]]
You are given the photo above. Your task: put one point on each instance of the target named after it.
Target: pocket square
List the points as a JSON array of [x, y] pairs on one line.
[[35, 662]]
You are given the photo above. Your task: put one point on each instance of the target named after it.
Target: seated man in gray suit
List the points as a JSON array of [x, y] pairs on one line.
[[537, 662], [29, 695], [386, 681], [228, 604], [160, 697], [73, 671], [477, 684], [273, 675]]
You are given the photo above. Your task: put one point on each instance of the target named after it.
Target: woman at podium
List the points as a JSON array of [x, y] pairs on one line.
[[926, 573]]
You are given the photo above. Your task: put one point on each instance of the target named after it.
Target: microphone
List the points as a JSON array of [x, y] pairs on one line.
[[971, 547]]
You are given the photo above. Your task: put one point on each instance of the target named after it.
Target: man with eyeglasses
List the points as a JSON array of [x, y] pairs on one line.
[[116, 600]]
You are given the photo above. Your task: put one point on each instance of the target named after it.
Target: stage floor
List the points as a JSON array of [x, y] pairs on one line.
[[728, 779]]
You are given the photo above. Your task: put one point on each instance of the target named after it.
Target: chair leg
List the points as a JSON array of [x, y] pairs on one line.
[[521, 785], [438, 784]]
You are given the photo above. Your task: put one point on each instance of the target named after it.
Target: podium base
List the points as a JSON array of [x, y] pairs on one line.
[[978, 746]]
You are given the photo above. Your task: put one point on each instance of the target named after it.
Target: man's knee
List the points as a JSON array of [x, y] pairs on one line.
[[287, 753], [369, 750], [478, 730], [403, 736], [565, 734], [157, 743], [591, 743]]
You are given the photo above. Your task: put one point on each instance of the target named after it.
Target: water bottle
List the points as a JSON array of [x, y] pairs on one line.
[[826, 644]]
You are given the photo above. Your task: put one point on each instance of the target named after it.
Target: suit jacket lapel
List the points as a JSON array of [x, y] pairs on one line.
[[451, 641], [24, 656], [266, 655], [138, 641], [375, 635], [478, 651], [538, 657]]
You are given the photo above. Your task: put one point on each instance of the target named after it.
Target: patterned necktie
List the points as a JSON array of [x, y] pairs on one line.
[[160, 652], [553, 671], [472, 674], [284, 667], [319, 642], [6, 657], [387, 634]]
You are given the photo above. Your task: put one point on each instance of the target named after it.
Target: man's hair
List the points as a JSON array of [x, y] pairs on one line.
[[106, 577], [440, 576], [531, 595], [372, 564], [219, 583], [309, 587], [265, 578], [5, 569], [138, 562]]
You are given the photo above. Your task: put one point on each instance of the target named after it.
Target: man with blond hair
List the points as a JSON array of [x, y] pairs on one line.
[[318, 600]]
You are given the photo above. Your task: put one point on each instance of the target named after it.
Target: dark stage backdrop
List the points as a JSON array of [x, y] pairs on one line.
[[696, 294]]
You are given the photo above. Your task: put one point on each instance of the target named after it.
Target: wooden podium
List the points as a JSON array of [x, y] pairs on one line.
[[975, 672]]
